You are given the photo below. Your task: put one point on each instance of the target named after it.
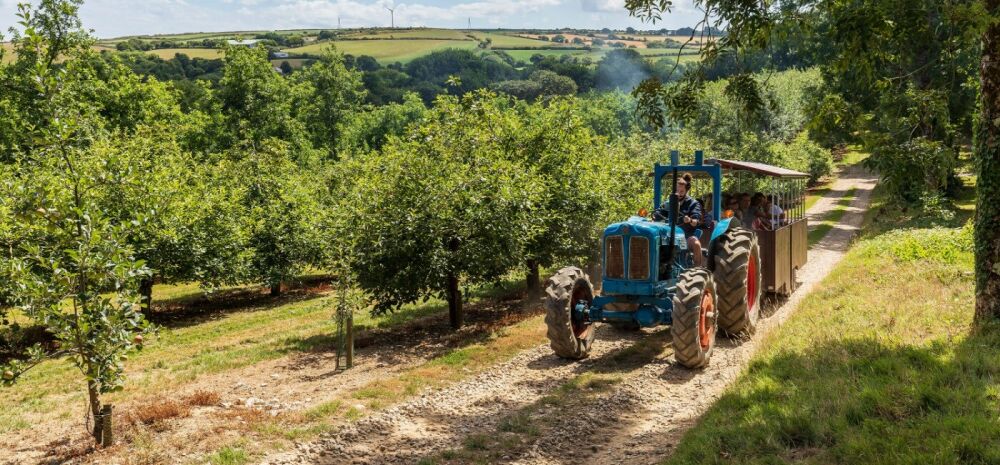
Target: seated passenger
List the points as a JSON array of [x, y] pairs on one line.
[[758, 218], [737, 212], [775, 214], [690, 216]]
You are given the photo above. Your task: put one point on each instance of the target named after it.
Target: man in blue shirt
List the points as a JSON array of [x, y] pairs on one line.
[[690, 215]]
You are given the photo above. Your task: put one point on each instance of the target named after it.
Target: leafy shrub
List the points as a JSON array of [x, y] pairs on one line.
[[804, 155], [913, 168]]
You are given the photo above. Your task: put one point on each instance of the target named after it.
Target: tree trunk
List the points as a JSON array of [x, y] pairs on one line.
[[276, 289], [146, 294], [456, 314], [533, 278], [94, 397], [987, 232]]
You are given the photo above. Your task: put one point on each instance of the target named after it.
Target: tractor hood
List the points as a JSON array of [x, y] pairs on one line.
[[638, 225]]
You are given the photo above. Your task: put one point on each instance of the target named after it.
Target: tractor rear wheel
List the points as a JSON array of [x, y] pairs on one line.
[[570, 338], [738, 277], [694, 318]]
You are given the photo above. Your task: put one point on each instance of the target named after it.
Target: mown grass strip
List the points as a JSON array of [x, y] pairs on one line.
[[833, 217]]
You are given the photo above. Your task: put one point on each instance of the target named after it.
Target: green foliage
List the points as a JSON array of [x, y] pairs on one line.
[[914, 167], [282, 218], [331, 94], [68, 265], [804, 155], [257, 103], [445, 201], [68, 255], [183, 215], [371, 129]]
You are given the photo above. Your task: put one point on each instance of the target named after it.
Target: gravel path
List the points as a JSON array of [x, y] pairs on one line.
[[637, 419]]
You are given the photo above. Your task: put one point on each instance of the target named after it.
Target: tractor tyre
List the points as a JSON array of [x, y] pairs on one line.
[[737, 273], [568, 339], [695, 320]]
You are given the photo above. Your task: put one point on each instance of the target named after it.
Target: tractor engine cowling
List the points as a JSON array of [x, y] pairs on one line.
[[633, 256]]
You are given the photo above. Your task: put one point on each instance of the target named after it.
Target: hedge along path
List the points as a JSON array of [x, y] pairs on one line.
[[627, 403]]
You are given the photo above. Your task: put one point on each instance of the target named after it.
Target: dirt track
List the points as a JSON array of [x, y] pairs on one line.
[[638, 417]]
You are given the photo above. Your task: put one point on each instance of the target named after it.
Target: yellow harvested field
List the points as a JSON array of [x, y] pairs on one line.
[[168, 53]]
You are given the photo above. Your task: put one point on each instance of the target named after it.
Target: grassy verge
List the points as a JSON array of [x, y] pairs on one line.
[[878, 365], [819, 230]]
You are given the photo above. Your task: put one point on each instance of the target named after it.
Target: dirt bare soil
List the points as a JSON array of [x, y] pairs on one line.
[[628, 403]]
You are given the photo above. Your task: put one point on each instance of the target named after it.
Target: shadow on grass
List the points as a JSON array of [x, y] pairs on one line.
[[422, 331], [859, 401], [192, 310]]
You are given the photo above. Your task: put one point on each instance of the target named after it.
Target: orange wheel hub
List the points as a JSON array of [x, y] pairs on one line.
[[706, 328]]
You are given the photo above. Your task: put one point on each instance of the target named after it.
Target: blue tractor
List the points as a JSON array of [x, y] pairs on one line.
[[649, 279]]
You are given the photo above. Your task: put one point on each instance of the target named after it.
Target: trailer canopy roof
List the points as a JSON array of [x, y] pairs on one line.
[[758, 168]]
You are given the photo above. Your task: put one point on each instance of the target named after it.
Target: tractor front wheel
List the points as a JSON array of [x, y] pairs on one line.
[[694, 318], [569, 337], [738, 277]]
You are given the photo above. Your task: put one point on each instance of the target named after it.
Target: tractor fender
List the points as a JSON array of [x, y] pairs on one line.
[[722, 226]]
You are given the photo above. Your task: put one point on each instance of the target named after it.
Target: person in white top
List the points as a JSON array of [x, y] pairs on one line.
[[775, 212]]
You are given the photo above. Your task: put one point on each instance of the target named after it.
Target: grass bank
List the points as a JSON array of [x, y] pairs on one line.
[[878, 365]]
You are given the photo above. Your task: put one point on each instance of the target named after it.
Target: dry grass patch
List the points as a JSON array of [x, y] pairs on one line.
[[156, 412], [202, 398]]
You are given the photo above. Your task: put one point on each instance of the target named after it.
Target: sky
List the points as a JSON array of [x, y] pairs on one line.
[[114, 18]]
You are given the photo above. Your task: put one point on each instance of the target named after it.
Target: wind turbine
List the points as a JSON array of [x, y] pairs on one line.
[[392, 17]]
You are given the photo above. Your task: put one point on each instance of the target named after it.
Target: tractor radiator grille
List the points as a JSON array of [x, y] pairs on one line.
[[638, 258], [614, 258]]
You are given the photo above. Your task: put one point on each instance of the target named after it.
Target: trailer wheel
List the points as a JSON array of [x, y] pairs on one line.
[[570, 338], [694, 318], [738, 278]]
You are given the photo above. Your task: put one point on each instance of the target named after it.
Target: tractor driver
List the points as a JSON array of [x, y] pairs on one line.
[[690, 216]]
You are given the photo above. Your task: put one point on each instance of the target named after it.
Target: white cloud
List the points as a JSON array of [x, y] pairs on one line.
[[603, 5]]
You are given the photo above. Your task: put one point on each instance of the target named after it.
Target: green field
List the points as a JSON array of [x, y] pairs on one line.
[[386, 51]]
